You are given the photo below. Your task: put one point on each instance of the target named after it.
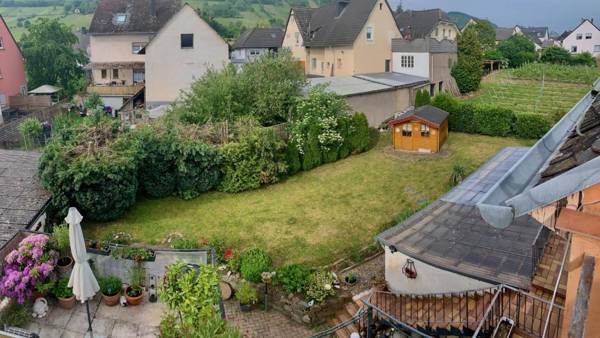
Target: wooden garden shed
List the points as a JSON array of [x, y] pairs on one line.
[[424, 129]]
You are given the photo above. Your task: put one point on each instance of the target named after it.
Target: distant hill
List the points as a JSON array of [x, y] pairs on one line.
[[461, 19]]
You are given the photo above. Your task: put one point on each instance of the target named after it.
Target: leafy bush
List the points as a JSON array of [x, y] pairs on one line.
[[320, 286], [445, 101], [494, 121], [531, 126], [256, 158], [15, 315], [198, 167], [518, 49], [60, 238], [464, 119], [584, 59], [557, 55], [254, 262], [157, 166], [293, 278], [345, 128], [293, 158], [110, 285], [93, 102], [359, 132], [458, 174], [208, 327], [31, 131], [246, 294], [312, 157], [422, 98], [61, 289]]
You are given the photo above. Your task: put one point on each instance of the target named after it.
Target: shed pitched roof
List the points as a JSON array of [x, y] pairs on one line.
[[427, 113], [45, 90], [451, 235], [260, 38], [140, 16], [419, 24], [326, 27], [22, 196]]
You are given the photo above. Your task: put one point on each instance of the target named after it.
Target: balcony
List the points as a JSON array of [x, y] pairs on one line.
[[115, 90]]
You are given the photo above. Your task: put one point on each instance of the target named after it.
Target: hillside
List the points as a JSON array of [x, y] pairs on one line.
[[461, 19], [230, 16]]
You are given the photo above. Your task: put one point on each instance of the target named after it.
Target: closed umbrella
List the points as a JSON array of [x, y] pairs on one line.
[[82, 279]]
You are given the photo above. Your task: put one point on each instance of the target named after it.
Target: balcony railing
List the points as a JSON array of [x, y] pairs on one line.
[[116, 90]]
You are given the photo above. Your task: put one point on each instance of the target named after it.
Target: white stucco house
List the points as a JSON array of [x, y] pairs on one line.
[[584, 38], [181, 52], [255, 42], [426, 57]]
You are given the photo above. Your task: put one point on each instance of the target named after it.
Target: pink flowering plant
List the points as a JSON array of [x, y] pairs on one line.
[[31, 263]]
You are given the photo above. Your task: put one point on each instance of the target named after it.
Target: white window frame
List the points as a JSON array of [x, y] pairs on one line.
[[425, 130], [407, 61], [407, 130], [370, 33], [588, 36], [573, 49], [596, 48], [579, 36]]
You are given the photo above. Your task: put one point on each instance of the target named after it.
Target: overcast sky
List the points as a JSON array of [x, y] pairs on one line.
[[559, 15]]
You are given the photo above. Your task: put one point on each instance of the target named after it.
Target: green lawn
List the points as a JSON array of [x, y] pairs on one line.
[[554, 98], [12, 14], [313, 217]]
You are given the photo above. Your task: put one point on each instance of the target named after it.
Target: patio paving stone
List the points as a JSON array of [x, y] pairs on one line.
[[124, 329]]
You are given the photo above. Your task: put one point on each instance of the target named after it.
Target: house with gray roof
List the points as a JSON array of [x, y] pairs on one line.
[[23, 200], [433, 23], [255, 42], [344, 38]]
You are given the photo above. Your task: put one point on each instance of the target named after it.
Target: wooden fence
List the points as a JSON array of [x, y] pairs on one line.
[[30, 102], [9, 132]]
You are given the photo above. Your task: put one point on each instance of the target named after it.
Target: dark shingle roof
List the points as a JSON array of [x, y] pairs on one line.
[[142, 16], [451, 234], [424, 45], [426, 113], [419, 24], [21, 194], [260, 38], [325, 27], [577, 149], [564, 35], [503, 33]]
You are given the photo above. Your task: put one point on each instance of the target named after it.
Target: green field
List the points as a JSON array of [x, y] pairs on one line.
[[12, 14], [542, 89], [314, 217]]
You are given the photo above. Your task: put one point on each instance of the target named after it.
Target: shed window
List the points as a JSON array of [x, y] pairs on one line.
[[187, 40], [407, 61], [115, 73], [103, 73], [407, 129], [424, 130]]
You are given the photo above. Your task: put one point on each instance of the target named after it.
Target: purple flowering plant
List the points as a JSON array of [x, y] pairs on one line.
[[31, 263]]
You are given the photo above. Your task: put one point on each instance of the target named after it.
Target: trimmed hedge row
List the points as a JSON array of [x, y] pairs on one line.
[[491, 120]]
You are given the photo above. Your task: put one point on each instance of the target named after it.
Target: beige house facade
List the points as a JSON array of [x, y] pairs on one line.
[[430, 23], [182, 51], [321, 40]]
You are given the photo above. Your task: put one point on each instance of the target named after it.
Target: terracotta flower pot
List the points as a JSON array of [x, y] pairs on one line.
[[65, 265], [66, 303], [111, 300], [134, 300]]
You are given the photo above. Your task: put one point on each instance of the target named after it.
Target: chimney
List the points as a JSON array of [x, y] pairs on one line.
[[341, 5], [152, 7]]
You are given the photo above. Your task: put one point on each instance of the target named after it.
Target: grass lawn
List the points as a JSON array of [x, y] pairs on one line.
[[313, 217]]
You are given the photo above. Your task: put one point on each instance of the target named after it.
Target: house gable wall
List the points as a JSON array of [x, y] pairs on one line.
[[170, 68], [12, 67], [584, 45], [445, 30], [292, 32], [115, 48], [421, 64]]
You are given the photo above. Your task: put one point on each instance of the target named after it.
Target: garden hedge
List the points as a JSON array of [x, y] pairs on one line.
[[491, 120], [198, 168]]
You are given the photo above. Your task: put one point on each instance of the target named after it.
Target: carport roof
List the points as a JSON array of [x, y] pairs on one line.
[[397, 80], [367, 83]]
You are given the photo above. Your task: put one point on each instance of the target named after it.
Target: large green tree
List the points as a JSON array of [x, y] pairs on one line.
[[486, 34], [468, 71], [50, 58], [518, 49]]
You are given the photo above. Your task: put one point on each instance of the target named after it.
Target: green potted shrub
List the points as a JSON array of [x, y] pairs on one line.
[[44, 288], [246, 295], [135, 291], [351, 278], [111, 290], [64, 293], [60, 239]]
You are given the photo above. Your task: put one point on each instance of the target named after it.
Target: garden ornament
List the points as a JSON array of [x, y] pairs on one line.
[[40, 308]]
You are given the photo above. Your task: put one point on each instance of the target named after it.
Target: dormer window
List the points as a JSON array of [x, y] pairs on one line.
[[120, 18]]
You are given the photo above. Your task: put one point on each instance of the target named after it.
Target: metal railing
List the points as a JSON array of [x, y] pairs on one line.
[[358, 321]]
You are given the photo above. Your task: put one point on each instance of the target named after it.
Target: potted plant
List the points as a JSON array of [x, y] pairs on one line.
[[97, 247], [64, 293], [60, 239], [110, 287], [136, 254], [351, 278], [44, 288], [246, 295], [135, 292]]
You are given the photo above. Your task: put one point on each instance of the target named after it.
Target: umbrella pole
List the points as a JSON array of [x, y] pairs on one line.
[[87, 305]]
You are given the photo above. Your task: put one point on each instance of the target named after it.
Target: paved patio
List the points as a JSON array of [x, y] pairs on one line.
[[109, 321]]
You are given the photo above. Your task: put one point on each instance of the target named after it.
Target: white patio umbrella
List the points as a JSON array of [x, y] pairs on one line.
[[82, 279]]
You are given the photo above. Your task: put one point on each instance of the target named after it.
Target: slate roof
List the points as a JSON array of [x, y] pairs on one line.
[[503, 33], [564, 35], [424, 45], [451, 235], [260, 38], [577, 148], [325, 27], [419, 24], [21, 195], [142, 16], [426, 113]]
